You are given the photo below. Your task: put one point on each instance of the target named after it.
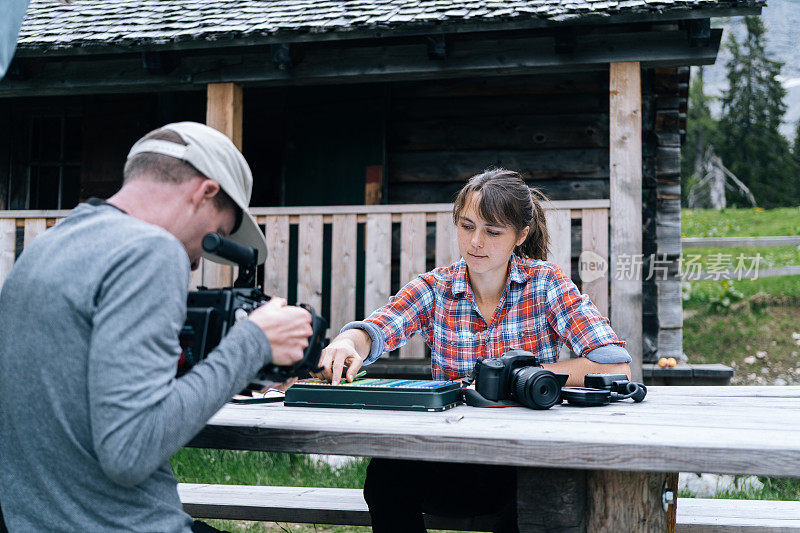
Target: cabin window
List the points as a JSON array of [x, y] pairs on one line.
[[48, 172]]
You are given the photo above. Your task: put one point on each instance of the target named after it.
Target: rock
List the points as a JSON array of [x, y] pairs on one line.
[[336, 461], [711, 485]]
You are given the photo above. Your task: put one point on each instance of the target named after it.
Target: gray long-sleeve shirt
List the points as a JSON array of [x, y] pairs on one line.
[[90, 409]]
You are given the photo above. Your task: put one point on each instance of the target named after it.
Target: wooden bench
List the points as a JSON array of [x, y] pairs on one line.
[[347, 507], [307, 505]]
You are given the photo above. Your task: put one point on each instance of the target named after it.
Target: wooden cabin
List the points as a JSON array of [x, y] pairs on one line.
[[351, 110]]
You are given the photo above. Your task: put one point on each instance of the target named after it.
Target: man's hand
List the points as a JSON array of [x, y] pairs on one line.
[[288, 329], [341, 351]]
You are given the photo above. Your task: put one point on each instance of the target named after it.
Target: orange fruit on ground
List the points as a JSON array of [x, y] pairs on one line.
[[672, 362], [663, 362]]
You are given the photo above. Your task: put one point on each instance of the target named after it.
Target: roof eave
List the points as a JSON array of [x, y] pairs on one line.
[[382, 31]]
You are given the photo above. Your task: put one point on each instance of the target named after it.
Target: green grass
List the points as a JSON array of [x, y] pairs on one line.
[[730, 258], [752, 222], [782, 489], [231, 467], [747, 324]]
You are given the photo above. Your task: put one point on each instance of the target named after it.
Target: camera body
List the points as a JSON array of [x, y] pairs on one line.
[[517, 376], [211, 313]]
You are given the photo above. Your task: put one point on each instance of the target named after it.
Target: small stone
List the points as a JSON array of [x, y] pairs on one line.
[[761, 355], [750, 360]]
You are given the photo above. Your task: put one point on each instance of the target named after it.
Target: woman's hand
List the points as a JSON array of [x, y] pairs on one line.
[[343, 350]]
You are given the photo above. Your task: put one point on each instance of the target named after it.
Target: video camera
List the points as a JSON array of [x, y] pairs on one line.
[[516, 377], [211, 313]]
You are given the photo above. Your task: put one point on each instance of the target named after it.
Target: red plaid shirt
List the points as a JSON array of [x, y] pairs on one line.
[[539, 309]]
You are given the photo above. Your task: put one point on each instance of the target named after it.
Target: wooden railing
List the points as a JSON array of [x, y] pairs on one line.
[[740, 242], [357, 244]]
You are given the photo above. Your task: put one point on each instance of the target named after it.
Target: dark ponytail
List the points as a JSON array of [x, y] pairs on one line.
[[506, 200]]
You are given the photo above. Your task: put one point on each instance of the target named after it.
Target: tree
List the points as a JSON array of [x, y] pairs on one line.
[[702, 130], [796, 149], [751, 145]]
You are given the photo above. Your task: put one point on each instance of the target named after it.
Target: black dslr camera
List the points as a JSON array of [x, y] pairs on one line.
[[517, 376], [211, 313]]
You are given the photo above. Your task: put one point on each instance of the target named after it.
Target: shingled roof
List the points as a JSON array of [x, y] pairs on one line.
[[131, 23]]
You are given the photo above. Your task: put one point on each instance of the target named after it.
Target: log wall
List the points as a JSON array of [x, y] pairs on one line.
[[664, 113], [553, 128]]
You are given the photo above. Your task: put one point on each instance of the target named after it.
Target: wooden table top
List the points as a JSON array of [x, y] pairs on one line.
[[735, 430]]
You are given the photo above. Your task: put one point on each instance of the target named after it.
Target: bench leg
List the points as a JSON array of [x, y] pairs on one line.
[[577, 501], [550, 500], [625, 501]]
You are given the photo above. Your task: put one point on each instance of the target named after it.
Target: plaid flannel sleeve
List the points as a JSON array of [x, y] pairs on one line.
[[578, 322], [392, 325]]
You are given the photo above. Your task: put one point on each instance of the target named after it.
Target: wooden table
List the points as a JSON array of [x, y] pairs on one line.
[[580, 469]]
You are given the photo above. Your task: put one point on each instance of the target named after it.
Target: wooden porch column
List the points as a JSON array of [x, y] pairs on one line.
[[625, 136], [224, 113]]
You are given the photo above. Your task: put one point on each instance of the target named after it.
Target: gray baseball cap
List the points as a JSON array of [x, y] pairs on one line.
[[217, 158]]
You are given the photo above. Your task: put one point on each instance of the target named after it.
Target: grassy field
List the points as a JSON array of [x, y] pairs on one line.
[[755, 321], [750, 222]]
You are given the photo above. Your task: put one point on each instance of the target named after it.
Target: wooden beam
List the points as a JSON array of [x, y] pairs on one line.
[[373, 62], [224, 110], [625, 156], [224, 113]]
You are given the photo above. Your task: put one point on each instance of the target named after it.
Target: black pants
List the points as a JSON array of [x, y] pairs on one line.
[[398, 492]]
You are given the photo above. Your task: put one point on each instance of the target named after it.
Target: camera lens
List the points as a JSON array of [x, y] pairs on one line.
[[535, 387]]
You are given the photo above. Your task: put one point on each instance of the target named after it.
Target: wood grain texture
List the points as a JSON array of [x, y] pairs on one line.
[[347, 507], [377, 272], [672, 510], [373, 62], [412, 264], [732, 430], [216, 276], [446, 240], [551, 499], [297, 505], [619, 501], [309, 261], [33, 228], [224, 110], [594, 238], [223, 113], [670, 304], [343, 272], [8, 239], [367, 209], [559, 226], [701, 515], [276, 267], [626, 205]]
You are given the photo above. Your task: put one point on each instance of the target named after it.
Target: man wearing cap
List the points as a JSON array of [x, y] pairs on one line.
[[89, 321]]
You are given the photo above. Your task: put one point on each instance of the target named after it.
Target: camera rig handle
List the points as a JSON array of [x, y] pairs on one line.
[[247, 259], [244, 256]]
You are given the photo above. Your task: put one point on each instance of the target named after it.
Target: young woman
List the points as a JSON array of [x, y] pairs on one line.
[[501, 295]]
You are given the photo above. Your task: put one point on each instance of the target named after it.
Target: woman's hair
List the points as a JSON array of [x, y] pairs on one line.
[[505, 200]]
